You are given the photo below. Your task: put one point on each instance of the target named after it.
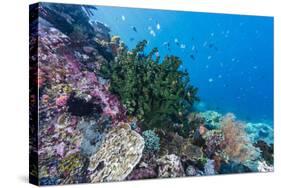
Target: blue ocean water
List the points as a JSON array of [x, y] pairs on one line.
[[229, 57]]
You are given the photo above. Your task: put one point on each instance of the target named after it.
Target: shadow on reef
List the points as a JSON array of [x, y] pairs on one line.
[[81, 107], [99, 101]]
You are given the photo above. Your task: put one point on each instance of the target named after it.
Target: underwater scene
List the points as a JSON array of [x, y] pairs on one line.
[[129, 94]]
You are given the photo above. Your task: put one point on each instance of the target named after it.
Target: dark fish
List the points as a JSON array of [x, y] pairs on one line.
[[211, 45], [132, 39], [134, 29], [192, 57], [167, 44]]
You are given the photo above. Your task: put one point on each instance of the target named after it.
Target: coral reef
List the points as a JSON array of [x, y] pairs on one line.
[[190, 152], [144, 171], [260, 131], [170, 166], [209, 168], [212, 119], [151, 140], [72, 169], [213, 142], [192, 171], [236, 144], [156, 92], [266, 151], [263, 167], [120, 151], [93, 133], [107, 113]]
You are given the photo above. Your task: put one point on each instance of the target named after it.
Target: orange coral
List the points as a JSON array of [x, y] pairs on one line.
[[236, 144]]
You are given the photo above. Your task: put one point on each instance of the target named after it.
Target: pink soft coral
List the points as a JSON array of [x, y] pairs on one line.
[[61, 101]]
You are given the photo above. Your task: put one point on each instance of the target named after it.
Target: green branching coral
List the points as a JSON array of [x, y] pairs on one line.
[[151, 140], [158, 93]]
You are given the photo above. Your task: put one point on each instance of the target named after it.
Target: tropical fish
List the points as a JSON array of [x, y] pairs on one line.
[[192, 57], [152, 32], [182, 46], [177, 41], [158, 26], [134, 29], [167, 44], [210, 80]]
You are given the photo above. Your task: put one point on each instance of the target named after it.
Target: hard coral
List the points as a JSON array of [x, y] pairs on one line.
[[213, 142], [152, 141], [212, 119], [266, 151], [119, 153], [170, 166], [71, 168]]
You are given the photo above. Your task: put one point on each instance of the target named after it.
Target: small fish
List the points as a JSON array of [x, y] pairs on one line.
[[209, 57], [205, 44], [192, 57], [152, 33], [134, 29], [211, 80], [123, 17], [182, 46], [132, 39], [166, 43], [211, 45], [177, 41], [193, 48], [158, 26]]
